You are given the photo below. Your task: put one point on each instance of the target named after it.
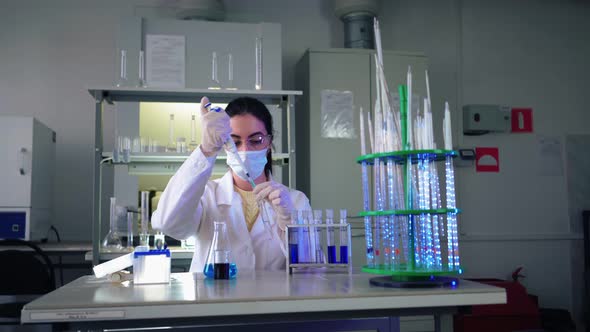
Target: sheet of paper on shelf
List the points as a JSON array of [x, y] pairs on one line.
[[165, 61]]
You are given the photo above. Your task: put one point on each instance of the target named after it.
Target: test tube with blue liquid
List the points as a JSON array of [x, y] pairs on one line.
[[293, 239], [343, 238], [330, 237]]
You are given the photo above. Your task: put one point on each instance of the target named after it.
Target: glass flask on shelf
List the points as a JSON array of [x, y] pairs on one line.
[[192, 145], [122, 68], [112, 242], [219, 263], [215, 84]]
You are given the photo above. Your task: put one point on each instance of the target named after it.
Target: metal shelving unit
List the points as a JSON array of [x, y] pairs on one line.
[[168, 163]]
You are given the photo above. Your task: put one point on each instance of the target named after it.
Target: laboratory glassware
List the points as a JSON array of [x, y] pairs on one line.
[[181, 145], [215, 84], [330, 237], [293, 239], [258, 55], [193, 143], [144, 235], [303, 238], [112, 241], [141, 82], [171, 147], [130, 219], [344, 251], [319, 252], [126, 151], [122, 70], [230, 72], [160, 240], [219, 263]]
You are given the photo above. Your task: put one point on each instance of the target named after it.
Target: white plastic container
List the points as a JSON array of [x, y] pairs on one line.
[[151, 267]]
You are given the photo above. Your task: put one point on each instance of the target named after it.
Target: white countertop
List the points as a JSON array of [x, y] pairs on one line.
[[262, 292]]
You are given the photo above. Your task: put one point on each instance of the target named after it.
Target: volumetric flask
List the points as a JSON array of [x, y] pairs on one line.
[[214, 73], [219, 264]]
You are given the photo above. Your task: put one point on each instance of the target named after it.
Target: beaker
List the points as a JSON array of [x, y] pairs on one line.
[[219, 263], [112, 242]]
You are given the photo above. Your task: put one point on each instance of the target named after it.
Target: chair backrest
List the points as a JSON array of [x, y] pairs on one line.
[[25, 271]]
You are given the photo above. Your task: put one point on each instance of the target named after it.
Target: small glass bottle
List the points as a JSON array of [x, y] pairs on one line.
[[219, 263], [171, 147], [293, 240], [330, 237], [144, 235], [112, 242], [343, 238]]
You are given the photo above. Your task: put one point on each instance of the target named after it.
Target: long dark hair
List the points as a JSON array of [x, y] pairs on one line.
[[249, 105]]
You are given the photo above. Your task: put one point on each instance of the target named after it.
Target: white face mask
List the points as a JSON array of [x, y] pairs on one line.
[[253, 160]]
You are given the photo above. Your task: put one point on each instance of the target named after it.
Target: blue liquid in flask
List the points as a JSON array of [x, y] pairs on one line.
[[220, 271]]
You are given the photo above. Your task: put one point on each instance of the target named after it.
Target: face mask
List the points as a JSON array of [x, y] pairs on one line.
[[254, 161]]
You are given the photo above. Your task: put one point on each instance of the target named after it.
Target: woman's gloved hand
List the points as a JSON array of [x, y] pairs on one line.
[[216, 129], [279, 197]]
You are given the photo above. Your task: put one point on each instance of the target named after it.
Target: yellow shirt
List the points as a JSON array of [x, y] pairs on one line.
[[249, 205]]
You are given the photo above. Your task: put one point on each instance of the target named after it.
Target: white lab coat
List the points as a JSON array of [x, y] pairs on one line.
[[191, 203]]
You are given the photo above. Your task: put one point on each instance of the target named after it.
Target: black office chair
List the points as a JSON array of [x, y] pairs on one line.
[[26, 273]]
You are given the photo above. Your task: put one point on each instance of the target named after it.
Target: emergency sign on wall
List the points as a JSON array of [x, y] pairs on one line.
[[487, 160]]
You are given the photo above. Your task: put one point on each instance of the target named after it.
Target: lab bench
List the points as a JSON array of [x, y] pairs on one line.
[[259, 300]]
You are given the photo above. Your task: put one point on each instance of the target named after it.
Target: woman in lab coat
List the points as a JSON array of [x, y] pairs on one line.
[[191, 202]]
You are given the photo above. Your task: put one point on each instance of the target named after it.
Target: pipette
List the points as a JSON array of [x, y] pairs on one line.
[[230, 147]]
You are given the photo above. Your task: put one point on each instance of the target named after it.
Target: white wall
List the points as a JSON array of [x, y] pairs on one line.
[[521, 53]]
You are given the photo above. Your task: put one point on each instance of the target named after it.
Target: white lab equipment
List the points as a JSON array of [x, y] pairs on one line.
[[151, 267], [26, 174]]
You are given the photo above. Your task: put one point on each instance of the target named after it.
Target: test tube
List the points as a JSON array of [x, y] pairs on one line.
[[343, 238], [126, 149], [258, 54], [303, 243], [130, 230], [330, 237], [171, 147], [144, 236], [293, 240], [308, 217], [319, 253]]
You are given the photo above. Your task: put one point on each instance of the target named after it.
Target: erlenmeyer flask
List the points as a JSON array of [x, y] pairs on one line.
[[220, 264], [112, 242]]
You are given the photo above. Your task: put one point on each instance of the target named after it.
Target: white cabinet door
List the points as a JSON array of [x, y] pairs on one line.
[[15, 168]]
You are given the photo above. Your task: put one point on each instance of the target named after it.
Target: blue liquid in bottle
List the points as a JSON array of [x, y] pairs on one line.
[[332, 255], [294, 253], [211, 272], [343, 254]]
